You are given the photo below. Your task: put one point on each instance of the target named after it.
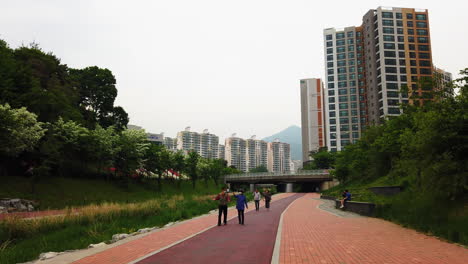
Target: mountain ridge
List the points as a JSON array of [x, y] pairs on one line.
[[291, 135]]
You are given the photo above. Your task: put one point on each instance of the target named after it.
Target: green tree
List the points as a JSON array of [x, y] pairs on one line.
[[132, 145], [158, 160], [191, 166]]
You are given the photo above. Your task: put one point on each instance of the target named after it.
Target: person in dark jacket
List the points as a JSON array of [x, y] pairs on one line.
[[267, 196], [241, 205], [223, 199]]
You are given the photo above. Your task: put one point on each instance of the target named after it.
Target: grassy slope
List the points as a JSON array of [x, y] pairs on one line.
[[410, 208], [20, 243], [58, 193]]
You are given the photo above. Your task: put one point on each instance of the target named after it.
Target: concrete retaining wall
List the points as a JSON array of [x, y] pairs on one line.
[[357, 207]]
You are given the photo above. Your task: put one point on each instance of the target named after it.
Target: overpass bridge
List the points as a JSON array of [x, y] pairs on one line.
[[320, 179]]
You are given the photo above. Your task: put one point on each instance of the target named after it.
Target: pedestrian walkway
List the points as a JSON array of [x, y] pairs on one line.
[[233, 243], [313, 235], [164, 238]]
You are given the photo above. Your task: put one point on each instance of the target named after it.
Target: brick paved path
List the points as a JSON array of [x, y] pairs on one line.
[[251, 243], [160, 239], [312, 235]]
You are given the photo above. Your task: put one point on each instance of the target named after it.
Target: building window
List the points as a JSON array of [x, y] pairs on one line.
[[329, 57], [423, 47], [398, 16], [343, 99], [341, 56], [333, 135], [330, 44], [343, 113], [401, 39], [329, 64], [409, 16], [331, 85], [425, 71], [352, 90], [351, 48], [410, 39], [343, 106], [350, 41], [425, 63], [329, 37], [422, 32], [394, 111], [420, 24], [340, 49], [353, 98], [342, 70], [402, 70], [331, 92], [388, 38], [331, 78], [354, 112], [340, 42], [341, 63], [332, 128], [387, 14], [350, 34], [391, 54], [392, 94], [330, 51], [332, 121], [340, 35], [354, 120], [330, 71], [388, 30], [421, 17], [355, 127], [331, 99], [353, 105], [342, 91], [413, 62], [401, 46], [390, 62], [332, 114], [410, 31], [390, 69], [342, 77], [410, 23], [345, 142], [333, 143], [424, 55], [414, 71], [331, 107], [399, 30], [344, 135], [342, 84], [423, 40], [399, 23], [389, 46], [387, 22], [344, 127]]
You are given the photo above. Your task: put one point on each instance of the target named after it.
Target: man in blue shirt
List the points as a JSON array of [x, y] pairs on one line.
[[347, 197], [240, 205]]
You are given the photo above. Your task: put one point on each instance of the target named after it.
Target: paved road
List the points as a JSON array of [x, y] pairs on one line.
[[320, 234], [232, 243]]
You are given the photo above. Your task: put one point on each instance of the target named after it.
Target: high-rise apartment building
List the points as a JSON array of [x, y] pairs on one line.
[[209, 145], [170, 143], [257, 154], [205, 144], [236, 153], [312, 116], [221, 152], [366, 67], [279, 157]]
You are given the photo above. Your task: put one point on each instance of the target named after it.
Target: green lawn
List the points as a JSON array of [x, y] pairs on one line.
[[59, 193]]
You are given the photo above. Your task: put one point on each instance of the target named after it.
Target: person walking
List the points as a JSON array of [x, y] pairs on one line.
[[267, 196], [241, 203], [257, 197], [223, 199]]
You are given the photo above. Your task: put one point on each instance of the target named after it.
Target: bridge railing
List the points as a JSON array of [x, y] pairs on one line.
[[259, 175]]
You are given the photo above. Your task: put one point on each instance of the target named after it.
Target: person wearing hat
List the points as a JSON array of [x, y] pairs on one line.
[[241, 205]]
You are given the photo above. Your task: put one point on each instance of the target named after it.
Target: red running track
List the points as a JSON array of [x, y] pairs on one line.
[[231, 243]]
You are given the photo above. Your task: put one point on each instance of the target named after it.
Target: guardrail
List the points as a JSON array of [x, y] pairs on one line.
[[292, 175]]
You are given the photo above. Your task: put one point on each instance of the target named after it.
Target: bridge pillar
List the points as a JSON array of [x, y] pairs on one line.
[[289, 187], [252, 187]]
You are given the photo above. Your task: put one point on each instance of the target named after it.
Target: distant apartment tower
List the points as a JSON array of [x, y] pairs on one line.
[[170, 143], [188, 141], [257, 153], [312, 116], [205, 144], [209, 145], [279, 157], [442, 78], [221, 152], [155, 138], [236, 151], [366, 67]]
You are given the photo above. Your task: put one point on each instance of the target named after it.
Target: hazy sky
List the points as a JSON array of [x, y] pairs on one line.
[[228, 66]]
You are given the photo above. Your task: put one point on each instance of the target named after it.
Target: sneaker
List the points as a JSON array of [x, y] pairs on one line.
[[342, 206]]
